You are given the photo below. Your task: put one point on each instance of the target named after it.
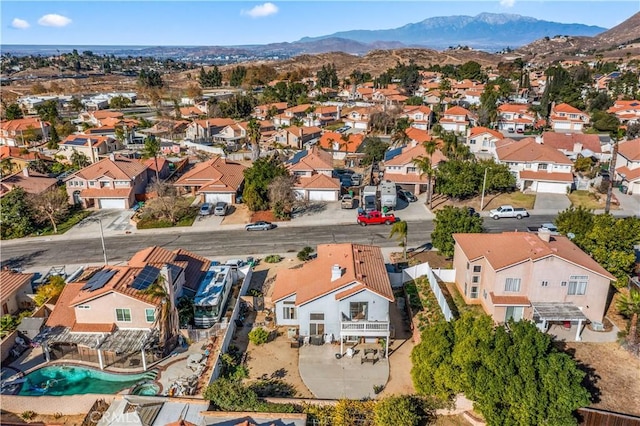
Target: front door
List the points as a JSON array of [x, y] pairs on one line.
[[316, 329], [514, 312]]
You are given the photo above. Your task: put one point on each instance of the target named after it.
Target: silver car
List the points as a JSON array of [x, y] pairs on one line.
[[221, 208], [259, 226]]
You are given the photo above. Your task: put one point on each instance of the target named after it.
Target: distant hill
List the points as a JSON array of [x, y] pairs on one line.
[[487, 31]]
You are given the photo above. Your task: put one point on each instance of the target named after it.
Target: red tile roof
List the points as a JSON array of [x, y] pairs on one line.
[[352, 144], [630, 149], [546, 176], [457, 110], [566, 141], [527, 151], [318, 181], [215, 175], [410, 152], [566, 108], [418, 135], [35, 183], [475, 131], [630, 175], [11, 281], [316, 159], [22, 124], [73, 140], [121, 168], [509, 300]]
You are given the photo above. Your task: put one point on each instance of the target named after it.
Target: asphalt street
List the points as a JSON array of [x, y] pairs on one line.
[[27, 253]]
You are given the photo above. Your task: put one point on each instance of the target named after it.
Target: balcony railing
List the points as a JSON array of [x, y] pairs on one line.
[[364, 327]]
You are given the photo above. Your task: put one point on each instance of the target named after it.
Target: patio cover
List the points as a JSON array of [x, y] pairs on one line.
[[553, 311]]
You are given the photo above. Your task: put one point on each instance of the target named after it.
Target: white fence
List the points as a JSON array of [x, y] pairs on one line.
[[424, 269]]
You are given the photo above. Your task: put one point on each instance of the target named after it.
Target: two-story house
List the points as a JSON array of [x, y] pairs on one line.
[[268, 111], [515, 117], [94, 147], [313, 169], [215, 180], [295, 137], [31, 181], [400, 167], [321, 116], [343, 294], [343, 146], [15, 288], [456, 119], [203, 130], [537, 167], [23, 131], [420, 116], [565, 118], [628, 165], [107, 317], [626, 111], [483, 139], [111, 183], [358, 118], [233, 134], [521, 275], [291, 115], [573, 144]]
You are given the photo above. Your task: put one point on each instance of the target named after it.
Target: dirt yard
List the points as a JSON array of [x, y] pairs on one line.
[[491, 201], [6, 418], [239, 215], [614, 373]]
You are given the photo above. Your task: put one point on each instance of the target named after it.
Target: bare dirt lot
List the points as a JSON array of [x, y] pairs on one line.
[[614, 375]]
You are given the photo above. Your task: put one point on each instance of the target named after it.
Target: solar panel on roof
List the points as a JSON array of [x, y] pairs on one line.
[[392, 153], [99, 279], [297, 157], [145, 278], [76, 142]]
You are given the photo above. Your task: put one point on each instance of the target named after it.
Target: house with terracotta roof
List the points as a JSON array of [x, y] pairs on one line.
[[456, 119], [400, 167], [573, 144], [358, 118], [290, 115], [111, 183], [214, 180], [313, 169], [321, 115], [203, 130], [94, 147], [31, 181], [628, 165], [20, 157], [267, 111], [515, 117], [420, 116], [295, 137], [342, 145], [190, 112], [519, 275], [482, 139], [626, 111], [22, 131], [15, 288], [565, 118], [106, 316], [100, 117], [418, 135], [537, 167], [343, 294]]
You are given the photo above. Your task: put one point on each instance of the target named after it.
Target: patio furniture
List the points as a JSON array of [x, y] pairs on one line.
[[134, 362], [369, 357], [372, 351]]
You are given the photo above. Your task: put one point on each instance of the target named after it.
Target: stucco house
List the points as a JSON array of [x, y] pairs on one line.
[[537, 167], [343, 294], [313, 169], [21, 131], [482, 139], [94, 147], [203, 130], [519, 275], [290, 115], [296, 137], [565, 118], [358, 118], [626, 111], [400, 167], [456, 119], [14, 290], [420, 116], [343, 146], [31, 181], [573, 145], [515, 117], [111, 183], [215, 180], [628, 165]]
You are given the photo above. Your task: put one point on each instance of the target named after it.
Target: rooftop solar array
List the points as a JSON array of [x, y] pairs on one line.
[[297, 157], [76, 142], [99, 279], [392, 153], [145, 278]]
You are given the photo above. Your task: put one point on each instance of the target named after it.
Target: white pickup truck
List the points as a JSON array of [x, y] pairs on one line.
[[508, 211]]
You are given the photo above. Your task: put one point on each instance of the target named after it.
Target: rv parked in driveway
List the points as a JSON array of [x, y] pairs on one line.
[[388, 194]]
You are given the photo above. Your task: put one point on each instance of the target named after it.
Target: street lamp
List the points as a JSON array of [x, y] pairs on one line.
[[104, 249]]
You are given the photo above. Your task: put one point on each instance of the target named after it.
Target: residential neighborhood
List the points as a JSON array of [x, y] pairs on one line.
[[188, 240]]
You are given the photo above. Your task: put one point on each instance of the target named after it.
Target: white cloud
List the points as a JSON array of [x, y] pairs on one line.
[[261, 10], [507, 3], [54, 20], [20, 24]]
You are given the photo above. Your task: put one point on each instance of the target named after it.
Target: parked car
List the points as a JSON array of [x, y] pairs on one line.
[[407, 196], [221, 208], [376, 218], [205, 209], [356, 179], [347, 202], [369, 203], [548, 226], [519, 130], [260, 226], [509, 211], [345, 181]]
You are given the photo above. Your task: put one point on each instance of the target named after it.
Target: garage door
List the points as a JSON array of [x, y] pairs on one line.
[[552, 187], [113, 203], [323, 196], [213, 198]]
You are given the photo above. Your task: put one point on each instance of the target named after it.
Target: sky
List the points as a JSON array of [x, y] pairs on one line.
[[210, 22]]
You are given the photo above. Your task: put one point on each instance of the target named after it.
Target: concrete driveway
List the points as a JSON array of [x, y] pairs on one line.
[[551, 202], [114, 222], [331, 378]]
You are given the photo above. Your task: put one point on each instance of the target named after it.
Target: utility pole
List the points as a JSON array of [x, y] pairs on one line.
[[484, 185], [612, 166]]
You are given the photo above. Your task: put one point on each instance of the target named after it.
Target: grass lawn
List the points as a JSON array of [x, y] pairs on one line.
[[516, 199], [589, 200], [74, 218], [335, 126]]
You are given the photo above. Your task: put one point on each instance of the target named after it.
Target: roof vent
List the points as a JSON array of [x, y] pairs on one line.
[[336, 272]]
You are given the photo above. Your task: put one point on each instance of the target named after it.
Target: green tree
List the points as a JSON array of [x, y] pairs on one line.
[[13, 112], [400, 230], [152, 150], [629, 306], [79, 159], [257, 179], [50, 290], [398, 410], [48, 111], [399, 136], [51, 205], [499, 178], [457, 179], [7, 166], [150, 79], [471, 70], [15, 214], [425, 167], [451, 220], [119, 102], [374, 149], [258, 336], [605, 122], [54, 138], [488, 111], [230, 395], [166, 315], [237, 76], [577, 221], [327, 76], [254, 135], [414, 100]]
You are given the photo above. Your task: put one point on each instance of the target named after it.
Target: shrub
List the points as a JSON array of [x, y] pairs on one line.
[[305, 254], [258, 336], [273, 258], [378, 388], [27, 415]]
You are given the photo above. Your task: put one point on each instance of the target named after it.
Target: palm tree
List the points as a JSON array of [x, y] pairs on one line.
[[425, 166], [254, 135], [152, 150], [166, 315], [399, 136], [399, 229], [629, 306]]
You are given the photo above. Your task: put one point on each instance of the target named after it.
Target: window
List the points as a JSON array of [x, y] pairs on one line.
[[411, 169], [474, 292], [358, 310], [577, 285], [563, 284], [477, 268], [316, 317], [92, 183], [545, 283], [475, 279], [512, 284], [123, 315], [289, 311], [150, 314], [542, 166], [467, 265]]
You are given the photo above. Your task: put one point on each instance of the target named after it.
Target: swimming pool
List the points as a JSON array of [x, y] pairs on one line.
[[60, 380]]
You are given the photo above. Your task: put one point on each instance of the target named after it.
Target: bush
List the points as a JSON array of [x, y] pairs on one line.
[[273, 258], [305, 254], [27, 415], [258, 336]]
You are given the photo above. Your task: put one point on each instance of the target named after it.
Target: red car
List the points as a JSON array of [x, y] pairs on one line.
[[376, 218]]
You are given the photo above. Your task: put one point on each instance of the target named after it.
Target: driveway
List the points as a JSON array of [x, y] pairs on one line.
[[331, 378], [114, 222], [628, 203], [551, 202]]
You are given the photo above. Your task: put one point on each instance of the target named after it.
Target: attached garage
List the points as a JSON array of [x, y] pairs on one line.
[[553, 187], [322, 195], [112, 203], [214, 198]]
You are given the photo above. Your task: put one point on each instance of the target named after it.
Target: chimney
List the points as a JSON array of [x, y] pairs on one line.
[[544, 234], [336, 272], [25, 171], [539, 139], [577, 147], [93, 154], [112, 157]]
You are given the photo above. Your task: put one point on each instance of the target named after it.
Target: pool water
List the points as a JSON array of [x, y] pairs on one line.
[[71, 380], [146, 389]]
